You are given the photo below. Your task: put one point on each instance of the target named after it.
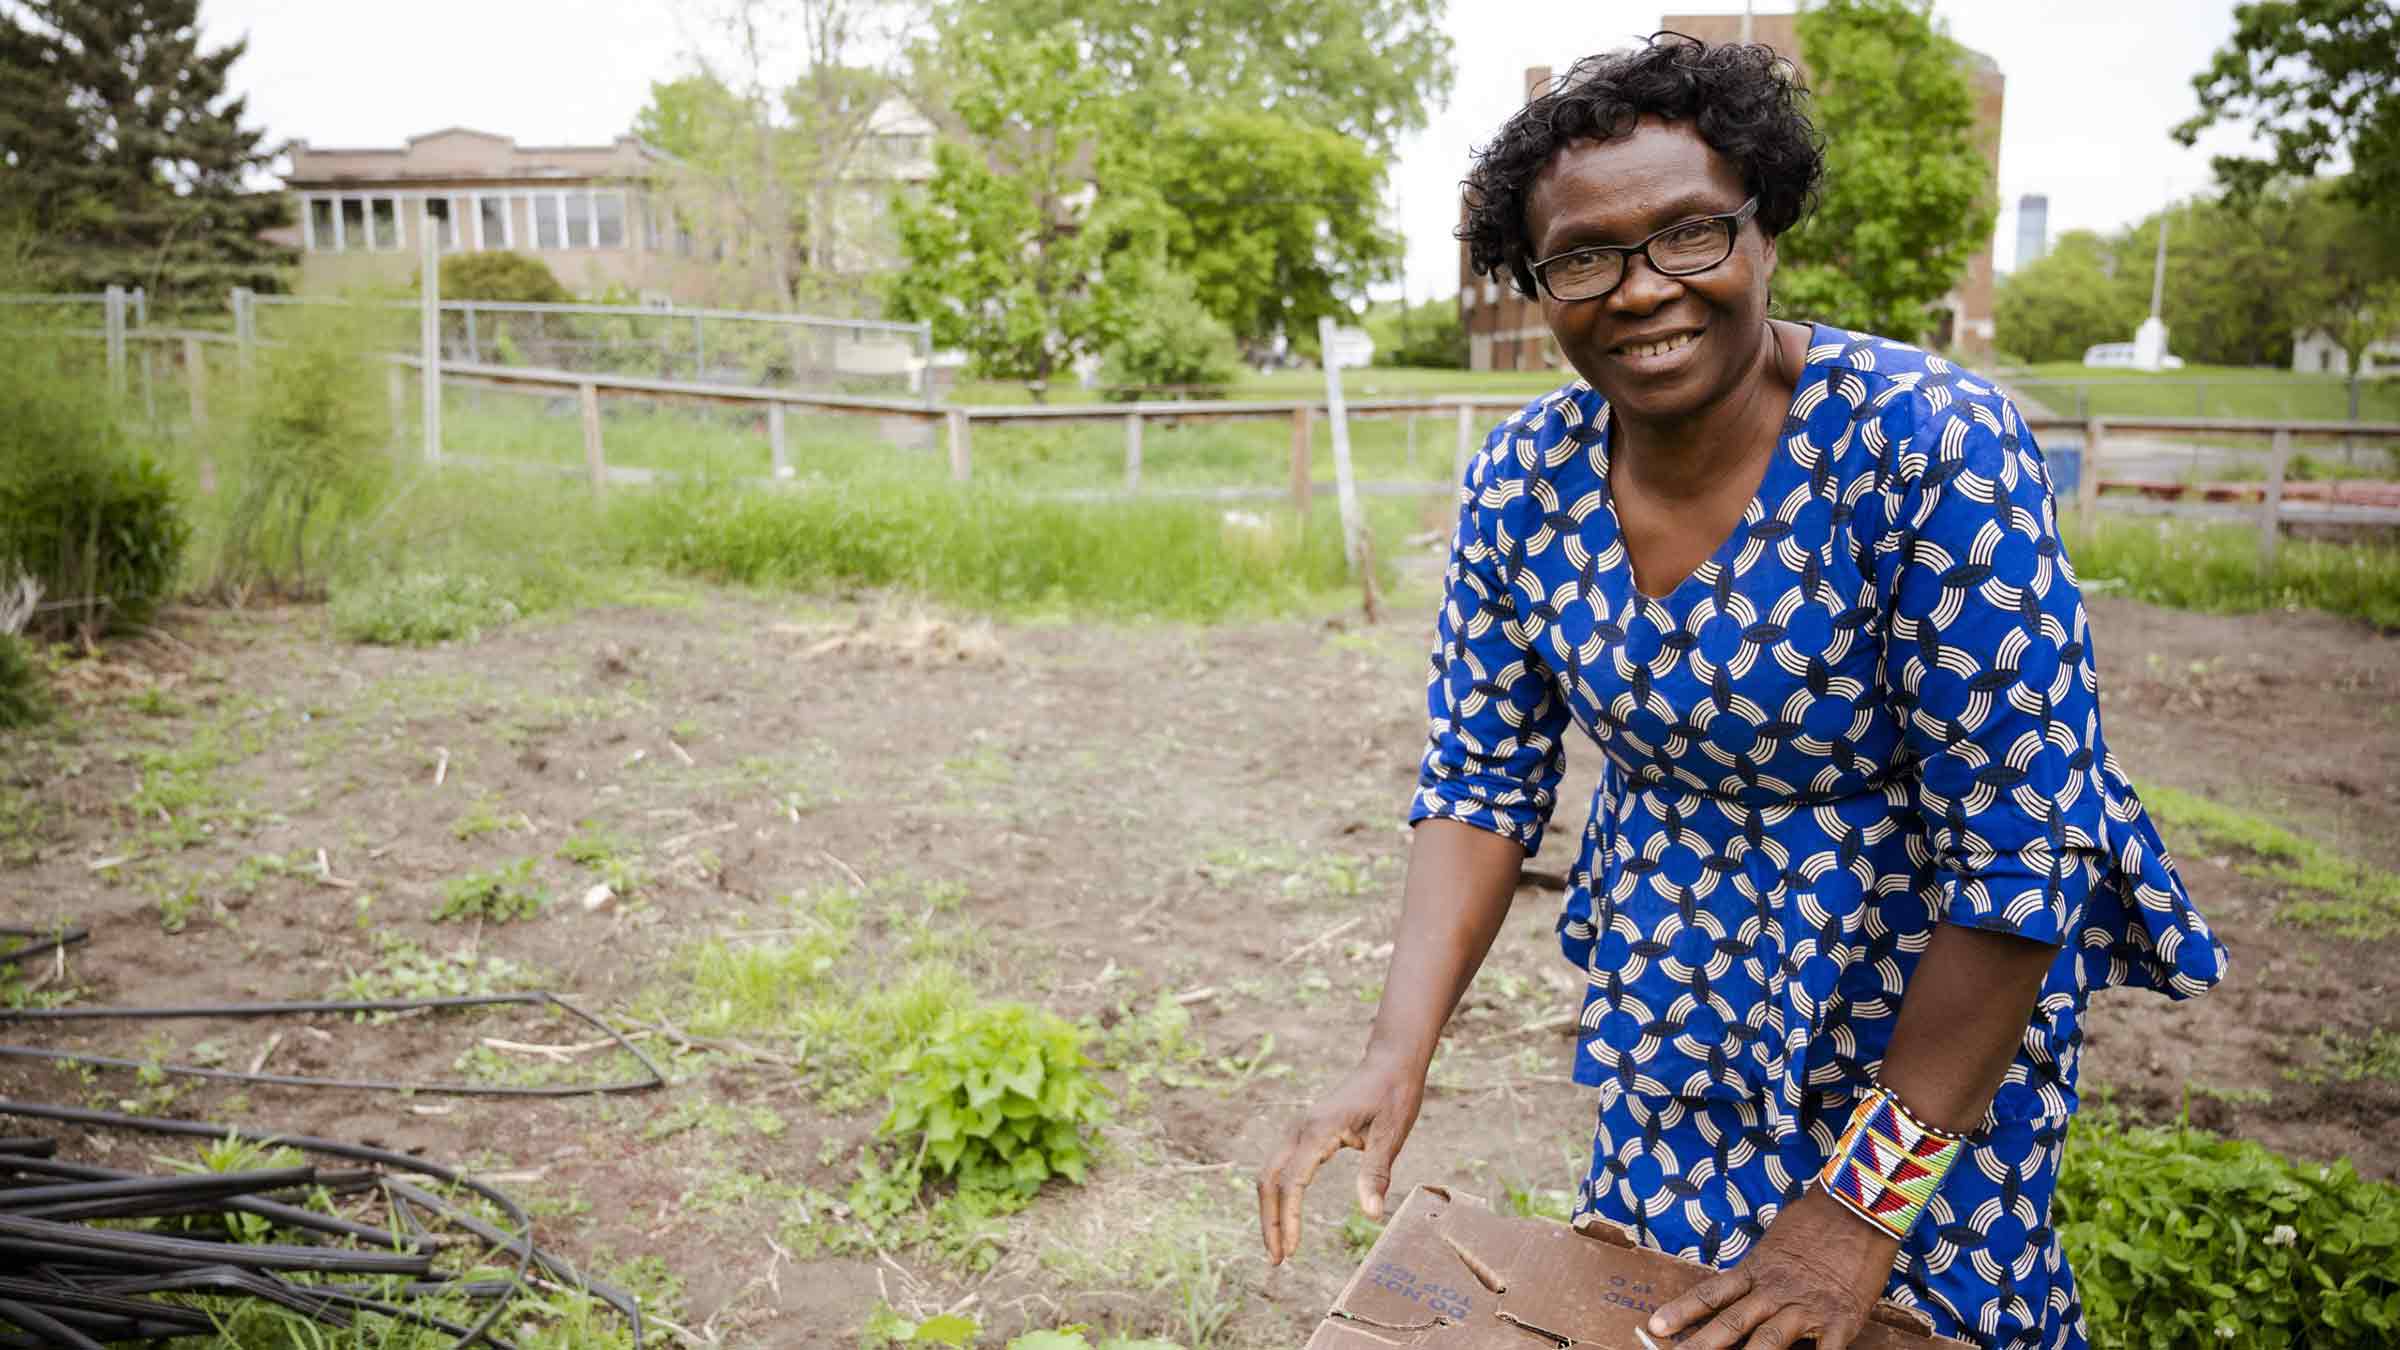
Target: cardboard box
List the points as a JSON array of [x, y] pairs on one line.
[[1449, 1274]]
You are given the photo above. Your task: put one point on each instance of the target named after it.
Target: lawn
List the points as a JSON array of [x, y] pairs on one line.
[[2071, 389]]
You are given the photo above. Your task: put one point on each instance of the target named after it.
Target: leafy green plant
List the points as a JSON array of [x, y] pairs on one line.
[[2181, 1238], [499, 275], [418, 609], [95, 522], [887, 1327], [1170, 339], [2344, 1058], [1000, 1098], [502, 895], [24, 690], [404, 969]]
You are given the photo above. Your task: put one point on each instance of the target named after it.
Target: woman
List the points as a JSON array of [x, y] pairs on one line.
[[1859, 853]]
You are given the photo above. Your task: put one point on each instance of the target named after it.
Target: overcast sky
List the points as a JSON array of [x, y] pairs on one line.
[[2093, 86]]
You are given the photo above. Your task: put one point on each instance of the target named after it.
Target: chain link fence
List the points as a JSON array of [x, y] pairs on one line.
[[794, 353]]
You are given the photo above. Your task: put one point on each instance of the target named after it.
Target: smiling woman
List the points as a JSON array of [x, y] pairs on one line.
[[1860, 853]]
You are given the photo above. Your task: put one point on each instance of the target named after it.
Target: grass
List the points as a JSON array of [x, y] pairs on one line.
[[2214, 568], [2317, 887], [2204, 391]]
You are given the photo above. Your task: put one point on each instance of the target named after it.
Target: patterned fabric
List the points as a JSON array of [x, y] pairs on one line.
[[1874, 709], [1888, 1164]]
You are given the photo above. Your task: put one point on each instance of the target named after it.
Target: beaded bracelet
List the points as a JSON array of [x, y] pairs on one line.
[[1889, 1163]]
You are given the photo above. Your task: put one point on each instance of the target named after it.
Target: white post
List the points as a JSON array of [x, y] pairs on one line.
[[595, 459], [113, 312], [429, 335], [1345, 487], [775, 442], [961, 446], [1466, 442], [245, 326], [1133, 452]]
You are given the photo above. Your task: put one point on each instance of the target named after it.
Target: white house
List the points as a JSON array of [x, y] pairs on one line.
[[2314, 353]]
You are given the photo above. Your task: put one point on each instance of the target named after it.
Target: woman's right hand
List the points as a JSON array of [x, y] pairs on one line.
[[1372, 1110]]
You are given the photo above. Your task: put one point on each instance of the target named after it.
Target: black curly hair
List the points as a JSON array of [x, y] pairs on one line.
[[1745, 101]]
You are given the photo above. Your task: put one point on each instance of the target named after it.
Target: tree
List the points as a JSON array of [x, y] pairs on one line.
[[1905, 201], [1014, 254], [1275, 221], [504, 277], [2315, 79], [760, 171], [127, 154], [1365, 68], [1427, 334], [2071, 298]]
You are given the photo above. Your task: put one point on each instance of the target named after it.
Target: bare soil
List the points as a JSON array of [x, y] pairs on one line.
[[1129, 809]]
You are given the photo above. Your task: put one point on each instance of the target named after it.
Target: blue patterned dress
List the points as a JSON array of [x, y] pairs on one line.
[[1873, 710]]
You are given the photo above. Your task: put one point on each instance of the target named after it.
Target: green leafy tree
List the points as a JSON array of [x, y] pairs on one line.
[[1365, 68], [124, 149], [1275, 220], [1905, 201], [1014, 253], [2316, 80], [1427, 334], [1170, 339]]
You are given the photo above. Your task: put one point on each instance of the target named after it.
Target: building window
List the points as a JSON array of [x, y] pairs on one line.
[[322, 235], [444, 219], [579, 218], [546, 217], [350, 226], [491, 221], [383, 214], [608, 219]]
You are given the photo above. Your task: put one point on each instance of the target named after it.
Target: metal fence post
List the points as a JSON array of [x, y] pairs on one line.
[[1301, 435], [113, 310], [1345, 485], [150, 384], [429, 337], [1466, 442], [245, 324], [2279, 455], [1133, 452], [925, 361], [775, 443], [595, 461], [961, 450], [396, 397], [699, 351], [474, 350], [141, 315]]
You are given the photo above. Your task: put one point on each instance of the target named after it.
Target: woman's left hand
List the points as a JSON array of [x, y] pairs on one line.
[[1815, 1275]]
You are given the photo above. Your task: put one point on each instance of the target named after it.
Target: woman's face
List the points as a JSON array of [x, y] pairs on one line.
[[1712, 324]]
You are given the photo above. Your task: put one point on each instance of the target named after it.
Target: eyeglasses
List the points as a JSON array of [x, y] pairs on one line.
[[1680, 250]]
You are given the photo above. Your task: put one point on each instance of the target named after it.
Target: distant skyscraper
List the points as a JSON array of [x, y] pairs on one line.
[[2033, 228]]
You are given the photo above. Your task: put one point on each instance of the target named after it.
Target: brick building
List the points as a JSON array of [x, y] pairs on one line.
[[1505, 330]]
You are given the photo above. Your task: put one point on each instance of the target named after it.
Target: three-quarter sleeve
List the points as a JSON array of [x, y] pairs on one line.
[[1987, 663], [1495, 719]]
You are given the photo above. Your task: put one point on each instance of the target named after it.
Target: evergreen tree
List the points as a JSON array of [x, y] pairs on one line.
[[126, 158]]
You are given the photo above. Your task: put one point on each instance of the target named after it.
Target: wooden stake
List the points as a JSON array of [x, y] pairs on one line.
[[595, 460]]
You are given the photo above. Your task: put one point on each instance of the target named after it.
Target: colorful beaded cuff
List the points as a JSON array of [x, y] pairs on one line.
[[1889, 1163]]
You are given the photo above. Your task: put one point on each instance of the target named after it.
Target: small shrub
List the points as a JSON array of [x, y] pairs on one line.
[[92, 521], [2181, 1238], [24, 692], [418, 609], [999, 1099], [500, 276], [502, 895], [1171, 340]]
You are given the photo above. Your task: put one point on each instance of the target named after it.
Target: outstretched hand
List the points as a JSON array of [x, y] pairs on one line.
[[1815, 1276], [1371, 1110]]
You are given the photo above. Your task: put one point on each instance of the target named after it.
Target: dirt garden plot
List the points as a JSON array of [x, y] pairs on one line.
[[1186, 838]]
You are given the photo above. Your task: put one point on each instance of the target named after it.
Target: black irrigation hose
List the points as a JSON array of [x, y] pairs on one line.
[[290, 1216], [520, 1245], [655, 1080], [49, 939]]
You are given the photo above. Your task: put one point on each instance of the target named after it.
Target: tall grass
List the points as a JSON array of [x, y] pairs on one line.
[[2215, 568]]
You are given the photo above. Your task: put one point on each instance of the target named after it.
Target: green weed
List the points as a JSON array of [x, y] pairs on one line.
[[405, 970], [2318, 888], [2344, 1058], [2214, 568], [418, 609], [501, 895], [999, 1098]]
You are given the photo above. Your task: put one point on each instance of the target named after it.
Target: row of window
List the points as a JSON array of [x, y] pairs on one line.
[[541, 218]]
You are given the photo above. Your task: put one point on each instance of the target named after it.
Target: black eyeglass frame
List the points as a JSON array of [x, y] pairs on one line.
[[1733, 221]]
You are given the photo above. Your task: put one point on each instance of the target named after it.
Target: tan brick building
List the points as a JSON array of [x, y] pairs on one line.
[[582, 210], [1505, 331]]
